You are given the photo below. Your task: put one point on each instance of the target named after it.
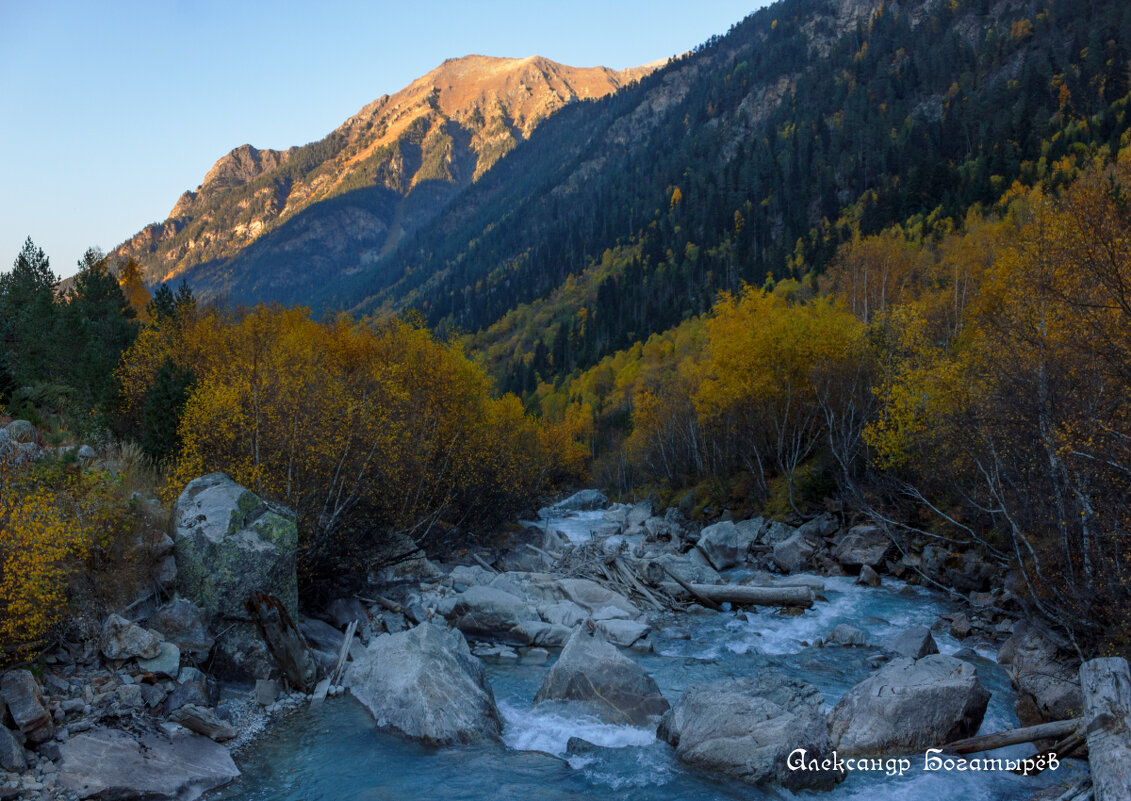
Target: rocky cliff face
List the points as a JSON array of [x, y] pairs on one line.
[[389, 169]]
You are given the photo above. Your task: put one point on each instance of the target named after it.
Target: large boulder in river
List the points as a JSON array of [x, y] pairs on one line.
[[748, 727], [425, 684], [109, 763], [862, 545], [231, 543], [608, 683], [1045, 676], [909, 705], [722, 545]]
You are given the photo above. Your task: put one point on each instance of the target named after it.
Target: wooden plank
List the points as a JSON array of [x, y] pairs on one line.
[[1106, 684], [988, 742]]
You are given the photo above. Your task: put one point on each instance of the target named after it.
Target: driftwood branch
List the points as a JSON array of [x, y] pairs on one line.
[[988, 742]]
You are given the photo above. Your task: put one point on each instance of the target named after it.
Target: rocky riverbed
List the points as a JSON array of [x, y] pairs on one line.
[[579, 660]]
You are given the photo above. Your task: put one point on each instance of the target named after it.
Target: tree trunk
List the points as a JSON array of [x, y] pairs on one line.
[[284, 641], [1000, 739], [1107, 711], [744, 595]]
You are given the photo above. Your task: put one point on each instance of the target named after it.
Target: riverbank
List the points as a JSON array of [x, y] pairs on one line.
[[615, 571]]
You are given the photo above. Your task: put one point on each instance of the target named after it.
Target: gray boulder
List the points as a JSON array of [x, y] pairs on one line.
[[621, 632], [535, 632], [746, 728], [488, 611], [636, 515], [844, 634], [203, 721], [229, 544], [1045, 677], [722, 545], [868, 577], [25, 704], [11, 752], [819, 527], [792, 555], [109, 763], [589, 595], [596, 674], [123, 639], [184, 624], [167, 662], [915, 643], [693, 572], [425, 684], [563, 613], [909, 705], [583, 501], [862, 545], [21, 431]]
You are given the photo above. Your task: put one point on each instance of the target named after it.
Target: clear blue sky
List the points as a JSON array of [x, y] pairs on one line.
[[110, 110]]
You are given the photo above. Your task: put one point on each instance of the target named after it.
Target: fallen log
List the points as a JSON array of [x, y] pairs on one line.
[[744, 595], [700, 597], [1106, 684], [988, 742], [284, 640]]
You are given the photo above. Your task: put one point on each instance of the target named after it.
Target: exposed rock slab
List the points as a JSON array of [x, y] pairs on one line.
[[111, 764]]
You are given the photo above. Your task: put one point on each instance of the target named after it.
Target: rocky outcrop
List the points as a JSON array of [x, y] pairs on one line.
[[230, 544], [909, 705], [746, 728], [425, 684], [110, 763], [597, 675]]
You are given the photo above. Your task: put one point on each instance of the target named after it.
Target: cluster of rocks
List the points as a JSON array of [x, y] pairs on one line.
[[20, 443]]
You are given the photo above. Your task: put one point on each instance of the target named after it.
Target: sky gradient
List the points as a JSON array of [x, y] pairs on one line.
[[111, 110]]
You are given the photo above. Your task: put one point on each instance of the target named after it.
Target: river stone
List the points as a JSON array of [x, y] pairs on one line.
[[915, 643], [909, 705], [123, 639], [471, 575], [25, 704], [203, 721], [535, 632], [166, 663], [684, 568], [792, 554], [11, 752], [621, 632], [184, 624], [611, 685], [844, 634], [720, 543], [747, 727], [582, 501], [488, 611], [109, 763], [589, 595], [636, 515], [862, 545], [563, 613], [1047, 681], [425, 684], [868, 577]]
